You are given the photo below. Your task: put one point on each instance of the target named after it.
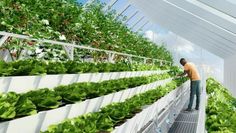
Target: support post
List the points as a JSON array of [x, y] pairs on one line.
[[145, 60], [69, 51], [4, 54], [111, 57]]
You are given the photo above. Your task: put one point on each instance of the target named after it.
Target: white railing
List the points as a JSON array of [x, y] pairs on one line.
[[162, 122], [154, 112], [69, 48]]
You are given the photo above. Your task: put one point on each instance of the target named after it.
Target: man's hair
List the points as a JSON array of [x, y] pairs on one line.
[[182, 59]]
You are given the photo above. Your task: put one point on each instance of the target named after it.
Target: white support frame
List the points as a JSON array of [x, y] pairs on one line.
[[69, 51], [73, 45], [3, 40], [5, 55]]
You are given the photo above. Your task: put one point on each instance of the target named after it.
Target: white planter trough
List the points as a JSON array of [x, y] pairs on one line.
[[125, 95], [30, 124], [132, 92], [55, 116], [94, 104], [78, 109], [107, 99], [134, 124], [43, 119], [21, 84], [117, 96]]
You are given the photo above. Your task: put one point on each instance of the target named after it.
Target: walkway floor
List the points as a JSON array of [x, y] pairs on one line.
[[186, 122]]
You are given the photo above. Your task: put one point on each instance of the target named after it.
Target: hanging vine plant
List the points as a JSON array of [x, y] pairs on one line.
[[68, 21]]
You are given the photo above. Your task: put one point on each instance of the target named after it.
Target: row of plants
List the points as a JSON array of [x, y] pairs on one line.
[[114, 114], [37, 67], [69, 21], [13, 105], [221, 109]]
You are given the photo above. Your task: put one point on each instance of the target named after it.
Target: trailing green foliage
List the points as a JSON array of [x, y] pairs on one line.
[[14, 105], [114, 114], [221, 109], [36, 67], [66, 20]]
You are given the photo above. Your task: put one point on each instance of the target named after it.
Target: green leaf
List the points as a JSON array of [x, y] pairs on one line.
[[25, 107], [44, 99]]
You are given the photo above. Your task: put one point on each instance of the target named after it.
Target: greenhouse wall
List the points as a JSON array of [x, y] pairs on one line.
[[230, 74]]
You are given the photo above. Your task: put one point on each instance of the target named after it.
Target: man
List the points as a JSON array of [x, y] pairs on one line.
[[192, 72]]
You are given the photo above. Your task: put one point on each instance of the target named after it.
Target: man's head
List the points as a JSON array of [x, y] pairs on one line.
[[182, 61]]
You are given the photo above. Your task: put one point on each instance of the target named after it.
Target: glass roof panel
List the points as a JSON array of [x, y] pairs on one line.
[[104, 1], [82, 1], [129, 11], [133, 18], [140, 24], [119, 4], [232, 1]]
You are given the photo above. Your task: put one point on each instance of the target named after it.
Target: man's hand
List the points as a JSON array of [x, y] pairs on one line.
[[177, 76], [181, 75]]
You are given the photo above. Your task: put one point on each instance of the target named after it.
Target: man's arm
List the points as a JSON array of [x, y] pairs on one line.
[[183, 74]]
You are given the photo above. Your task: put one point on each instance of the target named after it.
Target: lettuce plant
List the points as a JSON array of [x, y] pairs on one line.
[[38, 67], [114, 114], [44, 99], [7, 105], [14, 105]]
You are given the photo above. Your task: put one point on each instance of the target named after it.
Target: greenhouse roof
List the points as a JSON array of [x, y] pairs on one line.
[[207, 23]]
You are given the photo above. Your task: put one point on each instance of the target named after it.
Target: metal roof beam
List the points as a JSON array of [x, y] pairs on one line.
[[120, 12], [200, 21], [139, 28], [109, 5], [88, 3], [228, 45], [129, 18], [138, 21], [202, 43], [222, 5], [181, 21], [208, 13], [201, 36]]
